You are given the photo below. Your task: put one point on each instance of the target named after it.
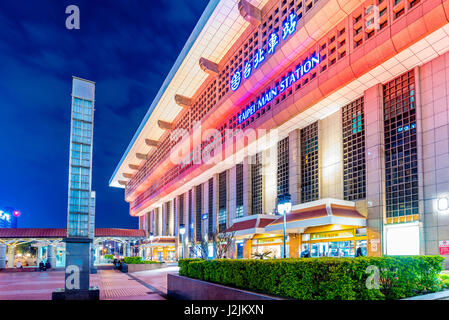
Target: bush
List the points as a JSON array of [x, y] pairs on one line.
[[109, 256], [137, 260], [324, 278]]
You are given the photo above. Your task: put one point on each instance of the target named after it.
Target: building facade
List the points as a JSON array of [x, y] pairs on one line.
[[343, 105]]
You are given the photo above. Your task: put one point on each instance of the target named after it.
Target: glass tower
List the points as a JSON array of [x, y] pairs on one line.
[[80, 169]]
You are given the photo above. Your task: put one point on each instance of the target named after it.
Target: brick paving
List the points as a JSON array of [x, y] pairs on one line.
[[114, 285]]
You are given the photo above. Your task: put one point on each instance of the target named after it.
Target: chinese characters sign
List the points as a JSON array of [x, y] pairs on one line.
[[289, 27]]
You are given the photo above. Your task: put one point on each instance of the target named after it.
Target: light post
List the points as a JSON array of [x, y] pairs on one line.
[[151, 245], [182, 230], [284, 207]]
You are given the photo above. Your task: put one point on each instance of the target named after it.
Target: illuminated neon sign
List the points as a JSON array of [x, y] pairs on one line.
[[286, 82], [289, 27]]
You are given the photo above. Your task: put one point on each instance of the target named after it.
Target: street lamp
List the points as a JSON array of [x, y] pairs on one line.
[[151, 246], [284, 207], [182, 230]]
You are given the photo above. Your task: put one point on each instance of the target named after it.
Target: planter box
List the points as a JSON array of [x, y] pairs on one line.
[[184, 288], [130, 268]]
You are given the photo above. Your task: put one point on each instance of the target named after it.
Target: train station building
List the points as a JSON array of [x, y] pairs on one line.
[[343, 105]]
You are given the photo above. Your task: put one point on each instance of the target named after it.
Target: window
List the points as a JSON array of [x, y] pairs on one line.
[[354, 166], [181, 210], [190, 226], [211, 208], [222, 202], [282, 170], [167, 218], [256, 184], [199, 210], [157, 230], [309, 163], [80, 167], [401, 154], [239, 191]]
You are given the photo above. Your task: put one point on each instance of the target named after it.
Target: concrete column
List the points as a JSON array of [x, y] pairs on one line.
[[331, 156], [127, 249], [294, 163], [247, 247], [269, 178], [93, 269], [77, 262], [51, 255], [375, 169], [11, 256], [246, 187], [2, 256], [432, 94]]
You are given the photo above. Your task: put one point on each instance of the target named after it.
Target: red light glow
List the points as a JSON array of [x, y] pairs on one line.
[[16, 213]]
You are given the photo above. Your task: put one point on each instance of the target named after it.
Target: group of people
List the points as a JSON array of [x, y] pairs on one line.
[[306, 253], [44, 266]]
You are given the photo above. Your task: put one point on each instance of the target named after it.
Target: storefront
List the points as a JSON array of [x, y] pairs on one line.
[[326, 241], [271, 246], [163, 248]]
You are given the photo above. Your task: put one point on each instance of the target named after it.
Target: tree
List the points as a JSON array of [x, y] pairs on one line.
[[200, 249], [222, 243]]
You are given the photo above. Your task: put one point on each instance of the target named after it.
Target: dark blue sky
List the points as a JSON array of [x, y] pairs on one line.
[[127, 47]]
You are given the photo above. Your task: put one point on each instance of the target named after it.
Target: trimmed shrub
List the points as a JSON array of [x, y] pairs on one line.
[[137, 260], [324, 278], [109, 256]]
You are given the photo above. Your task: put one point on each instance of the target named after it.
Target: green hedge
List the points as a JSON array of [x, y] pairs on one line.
[[323, 278], [109, 256], [137, 260]]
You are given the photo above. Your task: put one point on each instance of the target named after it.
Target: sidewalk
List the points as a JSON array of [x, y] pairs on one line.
[[113, 284]]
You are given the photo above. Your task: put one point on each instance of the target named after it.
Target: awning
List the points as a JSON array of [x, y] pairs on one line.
[[52, 233], [251, 225], [319, 213]]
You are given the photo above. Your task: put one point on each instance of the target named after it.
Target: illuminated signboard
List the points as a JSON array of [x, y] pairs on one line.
[[288, 28], [283, 85]]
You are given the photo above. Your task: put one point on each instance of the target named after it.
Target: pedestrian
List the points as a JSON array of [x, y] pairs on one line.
[[19, 265], [359, 252]]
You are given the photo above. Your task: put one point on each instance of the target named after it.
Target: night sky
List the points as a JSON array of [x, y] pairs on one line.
[[126, 47]]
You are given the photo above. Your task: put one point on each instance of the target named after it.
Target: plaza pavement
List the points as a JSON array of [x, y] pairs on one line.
[[114, 285]]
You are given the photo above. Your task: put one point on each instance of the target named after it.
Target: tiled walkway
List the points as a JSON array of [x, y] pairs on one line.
[[114, 285]]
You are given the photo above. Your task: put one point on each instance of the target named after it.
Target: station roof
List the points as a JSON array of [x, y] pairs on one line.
[[216, 31], [62, 233]]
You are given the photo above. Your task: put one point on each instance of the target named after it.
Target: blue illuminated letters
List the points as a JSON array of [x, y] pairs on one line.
[[288, 28], [284, 84]]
